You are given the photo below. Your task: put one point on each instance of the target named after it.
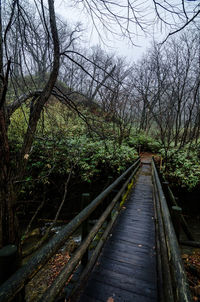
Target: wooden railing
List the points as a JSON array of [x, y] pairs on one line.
[[173, 285], [178, 218], [18, 281]]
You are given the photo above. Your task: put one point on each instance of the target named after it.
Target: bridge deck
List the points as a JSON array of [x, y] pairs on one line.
[[126, 270]]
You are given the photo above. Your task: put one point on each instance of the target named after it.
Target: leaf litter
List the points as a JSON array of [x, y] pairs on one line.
[[192, 267]]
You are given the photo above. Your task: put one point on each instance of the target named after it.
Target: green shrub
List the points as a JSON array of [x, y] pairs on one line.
[[88, 157], [183, 168], [146, 143], [63, 142]]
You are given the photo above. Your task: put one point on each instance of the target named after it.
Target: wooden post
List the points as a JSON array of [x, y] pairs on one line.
[[161, 161], [8, 262], [84, 203], [110, 178], [176, 212], [165, 185], [173, 202]]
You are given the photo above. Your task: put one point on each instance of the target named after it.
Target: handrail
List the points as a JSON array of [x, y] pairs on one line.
[[176, 287], [173, 202], [16, 282], [59, 282]]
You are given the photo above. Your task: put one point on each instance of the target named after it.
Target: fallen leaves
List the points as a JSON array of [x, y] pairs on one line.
[[110, 299], [56, 264], [192, 267], [44, 278]]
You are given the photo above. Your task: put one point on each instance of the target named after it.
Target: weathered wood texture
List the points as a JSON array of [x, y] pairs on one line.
[[15, 283], [126, 270], [180, 286]]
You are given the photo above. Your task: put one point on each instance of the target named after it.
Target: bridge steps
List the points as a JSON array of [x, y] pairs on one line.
[[126, 270]]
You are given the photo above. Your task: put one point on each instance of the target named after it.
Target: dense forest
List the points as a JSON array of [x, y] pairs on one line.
[[71, 117]]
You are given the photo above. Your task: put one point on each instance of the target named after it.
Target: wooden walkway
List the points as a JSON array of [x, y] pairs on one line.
[[126, 270]]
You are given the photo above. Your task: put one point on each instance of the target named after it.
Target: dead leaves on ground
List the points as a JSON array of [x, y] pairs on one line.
[[110, 299], [56, 264], [192, 267], [44, 278]]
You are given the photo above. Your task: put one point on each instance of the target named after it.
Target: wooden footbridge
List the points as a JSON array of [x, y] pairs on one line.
[[127, 270], [136, 259]]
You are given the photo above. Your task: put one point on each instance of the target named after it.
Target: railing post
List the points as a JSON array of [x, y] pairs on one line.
[[8, 262], [176, 212], [110, 178], [84, 203]]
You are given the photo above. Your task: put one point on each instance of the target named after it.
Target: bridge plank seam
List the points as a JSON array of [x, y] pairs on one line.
[[133, 238]]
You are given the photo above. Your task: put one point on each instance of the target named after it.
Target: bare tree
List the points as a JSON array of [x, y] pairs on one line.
[[167, 83], [7, 197], [127, 18]]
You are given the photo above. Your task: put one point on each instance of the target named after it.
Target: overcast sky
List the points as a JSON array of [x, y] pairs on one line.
[[117, 45], [113, 44]]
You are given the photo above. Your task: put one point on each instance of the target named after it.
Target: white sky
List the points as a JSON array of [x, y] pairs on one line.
[[116, 45], [121, 47]]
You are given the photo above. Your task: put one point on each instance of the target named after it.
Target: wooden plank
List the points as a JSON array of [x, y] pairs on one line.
[[103, 292], [134, 249], [126, 270], [141, 272], [129, 259], [145, 235], [126, 282], [86, 298], [138, 238]]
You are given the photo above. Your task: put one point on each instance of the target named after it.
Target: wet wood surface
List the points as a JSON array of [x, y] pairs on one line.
[[126, 270]]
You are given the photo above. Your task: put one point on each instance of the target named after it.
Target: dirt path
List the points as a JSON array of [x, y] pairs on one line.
[[146, 157]]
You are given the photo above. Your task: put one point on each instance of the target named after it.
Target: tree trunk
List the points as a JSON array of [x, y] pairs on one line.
[[7, 215], [8, 221], [43, 98]]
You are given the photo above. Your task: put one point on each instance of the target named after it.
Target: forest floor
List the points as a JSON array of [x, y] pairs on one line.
[[192, 266], [45, 277], [191, 257]]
